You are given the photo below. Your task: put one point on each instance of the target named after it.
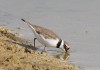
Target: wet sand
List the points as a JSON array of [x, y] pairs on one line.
[[18, 54]]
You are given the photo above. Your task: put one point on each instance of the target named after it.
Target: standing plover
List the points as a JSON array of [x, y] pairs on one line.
[[47, 37]]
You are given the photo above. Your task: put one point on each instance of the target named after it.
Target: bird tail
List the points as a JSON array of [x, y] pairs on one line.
[[29, 24], [26, 22]]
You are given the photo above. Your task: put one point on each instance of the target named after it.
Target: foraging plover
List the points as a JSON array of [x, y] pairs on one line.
[[47, 37]]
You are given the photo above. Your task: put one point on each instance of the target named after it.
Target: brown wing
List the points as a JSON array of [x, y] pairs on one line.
[[45, 32]]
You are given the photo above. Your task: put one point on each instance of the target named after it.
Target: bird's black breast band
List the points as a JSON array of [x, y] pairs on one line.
[[59, 43]]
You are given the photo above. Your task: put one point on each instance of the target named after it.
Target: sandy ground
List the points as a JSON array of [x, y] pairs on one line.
[[17, 54]]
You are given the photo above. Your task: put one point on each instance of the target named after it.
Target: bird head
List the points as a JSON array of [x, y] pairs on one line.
[[66, 46]]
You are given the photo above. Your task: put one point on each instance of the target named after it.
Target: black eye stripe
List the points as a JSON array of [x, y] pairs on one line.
[[59, 43]]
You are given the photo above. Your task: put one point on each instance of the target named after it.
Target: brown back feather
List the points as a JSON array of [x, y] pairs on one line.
[[45, 32]]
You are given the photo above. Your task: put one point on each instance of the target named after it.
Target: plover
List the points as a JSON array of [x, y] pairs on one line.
[[47, 37]]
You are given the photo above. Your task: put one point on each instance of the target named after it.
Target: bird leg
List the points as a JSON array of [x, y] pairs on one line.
[[44, 50], [34, 42]]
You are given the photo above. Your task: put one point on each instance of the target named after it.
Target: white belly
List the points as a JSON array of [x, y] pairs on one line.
[[51, 42], [46, 42]]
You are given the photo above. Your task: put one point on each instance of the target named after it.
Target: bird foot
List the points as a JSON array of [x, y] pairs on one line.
[[44, 51]]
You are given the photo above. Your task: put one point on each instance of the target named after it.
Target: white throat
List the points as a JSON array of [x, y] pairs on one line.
[[62, 44]]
